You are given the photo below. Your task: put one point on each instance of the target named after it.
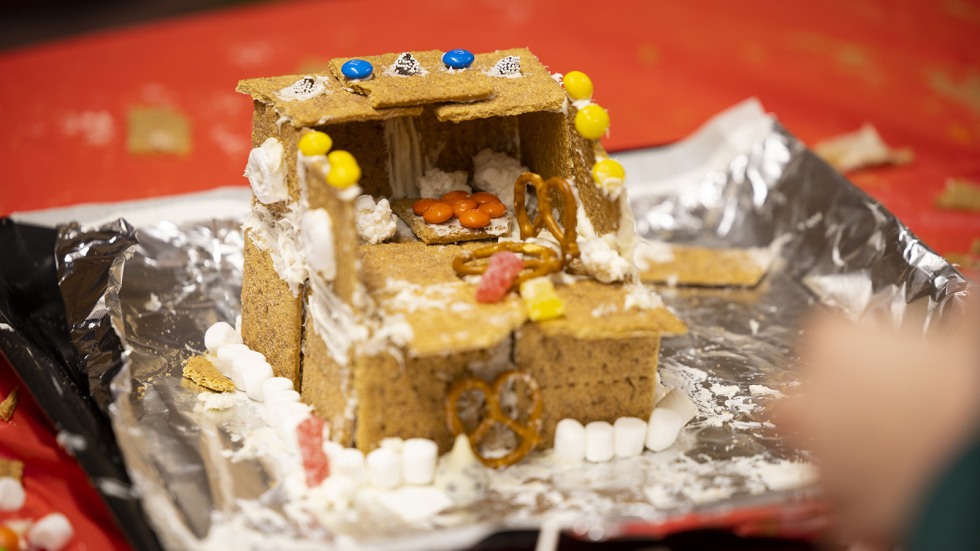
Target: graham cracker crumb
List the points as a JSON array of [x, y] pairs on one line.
[[200, 370], [12, 468], [8, 404], [158, 130]]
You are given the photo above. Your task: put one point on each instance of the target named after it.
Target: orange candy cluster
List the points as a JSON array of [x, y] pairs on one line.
[[473, 211]]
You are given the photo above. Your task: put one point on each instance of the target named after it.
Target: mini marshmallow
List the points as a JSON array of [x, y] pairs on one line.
[[220, 334], [51, 532], [393, 443], [600, 442], [253, 376], [384, 468], [275, 400], [226, 353], [288, 416], [419, 461], [569, 441], [242, 362], [630, 435], [332, 449], [668, 418], [275, 384], [11, 494], [349, 463]]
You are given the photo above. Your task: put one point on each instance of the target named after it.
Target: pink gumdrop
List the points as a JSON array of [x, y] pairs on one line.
[[499, 276], [315, 462]]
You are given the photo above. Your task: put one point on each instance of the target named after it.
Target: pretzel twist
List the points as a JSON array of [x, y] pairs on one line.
[[528, 432], [538, 260]]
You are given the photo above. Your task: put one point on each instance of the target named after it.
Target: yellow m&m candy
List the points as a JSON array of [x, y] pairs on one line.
[[608, 170], [578, 85], [540, 299], [592, 121], [344, 170], [315, 143]]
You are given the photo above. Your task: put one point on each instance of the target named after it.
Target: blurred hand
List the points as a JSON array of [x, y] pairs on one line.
[[884, 413]]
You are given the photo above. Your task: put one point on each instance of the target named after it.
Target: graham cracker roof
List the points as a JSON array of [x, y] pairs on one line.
[[456, 96]]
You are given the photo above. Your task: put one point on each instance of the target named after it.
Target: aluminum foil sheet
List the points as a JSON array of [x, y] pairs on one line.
[[742, 181]]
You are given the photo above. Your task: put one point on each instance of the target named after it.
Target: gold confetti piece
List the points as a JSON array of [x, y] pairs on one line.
[[11, 468], [960, 194], [158, 130], [8, 404]]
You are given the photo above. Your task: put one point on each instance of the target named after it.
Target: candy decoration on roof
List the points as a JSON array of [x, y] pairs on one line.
[[507, 67], [315, 143], [406, 65], [592, 121], [610, 175], [458, 59], [357, 69], [541, 300], [344, 170], [578, 85]]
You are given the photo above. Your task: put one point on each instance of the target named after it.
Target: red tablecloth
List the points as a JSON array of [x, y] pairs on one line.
[[661, 68]]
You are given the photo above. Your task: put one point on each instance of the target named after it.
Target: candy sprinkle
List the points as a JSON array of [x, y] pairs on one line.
[[357, 69], [407, 65], [458, 59], [509, 66]]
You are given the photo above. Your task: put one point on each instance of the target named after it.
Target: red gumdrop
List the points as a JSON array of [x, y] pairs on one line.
[[315, 462], [499, 276]]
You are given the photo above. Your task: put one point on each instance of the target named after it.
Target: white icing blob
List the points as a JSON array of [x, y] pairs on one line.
[[265, 172], [375, 222], [496, 173], [435, 183], [318, 244]]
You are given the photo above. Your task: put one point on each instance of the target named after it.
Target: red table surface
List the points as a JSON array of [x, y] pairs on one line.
[[661, 68]]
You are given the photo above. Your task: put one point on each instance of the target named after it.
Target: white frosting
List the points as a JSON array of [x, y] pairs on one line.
[[648, 253], [405, 164], [496, 173], [602, 261], [641, 297], [318, 243], [280, 238], [304, 89], [265, 172], [436, 183], [375, 222]]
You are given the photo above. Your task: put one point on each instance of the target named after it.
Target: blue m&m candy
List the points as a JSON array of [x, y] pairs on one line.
[[457, 59], [357, 69]]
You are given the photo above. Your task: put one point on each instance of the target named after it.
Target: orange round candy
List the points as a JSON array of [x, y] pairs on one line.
[[9, 539], [465, 204], [419, 206], [474, 219], [484, 197], [455, 196], [438, 212], [494, 209]]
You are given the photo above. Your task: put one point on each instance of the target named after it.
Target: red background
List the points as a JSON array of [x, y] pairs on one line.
[[661, 68]]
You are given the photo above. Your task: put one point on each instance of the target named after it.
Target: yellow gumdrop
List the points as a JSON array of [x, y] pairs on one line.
[[592, 121], [315, 143], [540, 299], [344, 170], [578, 85]]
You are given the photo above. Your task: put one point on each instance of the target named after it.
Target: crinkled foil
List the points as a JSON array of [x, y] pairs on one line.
[[832, 244]]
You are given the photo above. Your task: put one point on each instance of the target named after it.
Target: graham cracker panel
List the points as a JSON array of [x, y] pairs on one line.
[[416, 390], [584, 297], [272, 318], [413, 262], [709, 267], [328, 387], [366, 142], [436, 85], [342, 219], [589, 380], [451, 146], [602, 212], [535, 90], [333, 107], [545, 146]]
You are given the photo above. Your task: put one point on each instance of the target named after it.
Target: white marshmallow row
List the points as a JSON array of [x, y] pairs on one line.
[[395, 463], [599, 441]]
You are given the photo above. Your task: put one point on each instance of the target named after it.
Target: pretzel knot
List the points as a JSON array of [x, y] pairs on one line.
[[546, 191], [538, 260], [529, 432]]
